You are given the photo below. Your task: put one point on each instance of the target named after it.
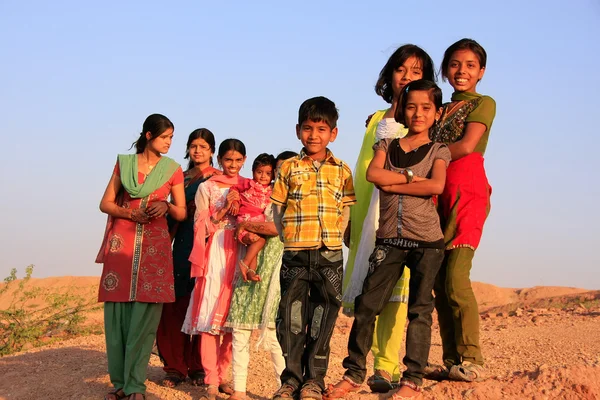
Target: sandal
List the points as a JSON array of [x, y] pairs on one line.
[[466, 372], [172, 379], [136, 396], [237, 396], [211, 393], [116, 394], [226, 388], [197, 378], [341, 389], [311, 391], [380, 381], [286, 391], [435, 372], [411, 385]]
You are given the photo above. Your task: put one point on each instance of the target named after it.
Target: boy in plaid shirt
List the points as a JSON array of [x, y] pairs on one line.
[[311, 200]]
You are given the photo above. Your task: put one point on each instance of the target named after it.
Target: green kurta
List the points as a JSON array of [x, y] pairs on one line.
[[254, 304]]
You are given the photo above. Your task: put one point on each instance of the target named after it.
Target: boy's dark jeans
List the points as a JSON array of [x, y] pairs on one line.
[[311, 296], [385, 268]]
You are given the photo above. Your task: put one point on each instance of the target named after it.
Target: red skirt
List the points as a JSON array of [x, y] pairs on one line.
[[465, 203]]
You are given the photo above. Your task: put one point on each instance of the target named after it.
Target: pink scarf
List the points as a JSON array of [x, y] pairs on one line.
[[203, 227]]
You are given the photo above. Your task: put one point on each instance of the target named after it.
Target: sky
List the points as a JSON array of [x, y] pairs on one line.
[[79, 78]]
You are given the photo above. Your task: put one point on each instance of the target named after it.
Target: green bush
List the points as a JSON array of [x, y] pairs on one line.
[[26, 324]]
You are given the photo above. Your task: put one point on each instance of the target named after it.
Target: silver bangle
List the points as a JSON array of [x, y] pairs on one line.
[[409, 175]]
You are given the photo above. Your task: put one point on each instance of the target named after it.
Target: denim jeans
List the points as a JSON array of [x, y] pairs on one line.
[[385, 268], [311, 296]]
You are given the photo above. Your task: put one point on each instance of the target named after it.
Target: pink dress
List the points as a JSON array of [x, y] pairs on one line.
[[254, 199]]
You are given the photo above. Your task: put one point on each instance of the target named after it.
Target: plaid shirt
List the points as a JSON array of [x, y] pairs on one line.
[[314, 198]]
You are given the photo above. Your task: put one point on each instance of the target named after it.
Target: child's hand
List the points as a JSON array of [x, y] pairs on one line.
[[234, 208], [231, 197], [347, 235], [368, 120]]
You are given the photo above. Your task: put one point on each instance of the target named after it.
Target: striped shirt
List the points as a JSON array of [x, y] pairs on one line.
[[313, 195]]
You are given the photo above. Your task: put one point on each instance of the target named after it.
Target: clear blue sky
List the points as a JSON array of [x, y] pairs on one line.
[[79, 78]]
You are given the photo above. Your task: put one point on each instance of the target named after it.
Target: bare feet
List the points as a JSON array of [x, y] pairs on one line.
[[253, 276]]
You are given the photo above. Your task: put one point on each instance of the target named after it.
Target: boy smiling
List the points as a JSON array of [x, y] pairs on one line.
[[311, 200]]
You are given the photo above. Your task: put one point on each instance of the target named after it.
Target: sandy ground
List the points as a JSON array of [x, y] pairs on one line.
[[532, 350]]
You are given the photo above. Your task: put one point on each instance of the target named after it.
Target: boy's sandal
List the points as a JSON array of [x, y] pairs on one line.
[[197, 378], [172, 379], [311, 391], [380, 381], [226, 388], [413, 386], [435, 372], [341, 389], [137, 396], [286, 391], [466, 372], [116, 394]]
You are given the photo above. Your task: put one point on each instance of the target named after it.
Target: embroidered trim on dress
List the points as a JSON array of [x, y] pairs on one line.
[[137, 254]]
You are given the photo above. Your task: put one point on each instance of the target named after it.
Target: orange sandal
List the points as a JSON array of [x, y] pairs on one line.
[[341, 389]]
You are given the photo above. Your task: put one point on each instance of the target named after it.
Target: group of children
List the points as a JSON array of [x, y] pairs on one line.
[[422, 193]]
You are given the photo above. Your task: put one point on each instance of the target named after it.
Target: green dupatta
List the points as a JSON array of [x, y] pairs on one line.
[[128, 165]]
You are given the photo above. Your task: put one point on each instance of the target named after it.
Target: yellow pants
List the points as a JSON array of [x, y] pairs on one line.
[[388, 338]]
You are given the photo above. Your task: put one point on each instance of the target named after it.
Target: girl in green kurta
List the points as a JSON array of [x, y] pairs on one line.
[[464, 205], [254, 303], [406, 64]]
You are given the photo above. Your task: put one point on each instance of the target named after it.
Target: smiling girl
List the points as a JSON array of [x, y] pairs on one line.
[[214, 264], [465, 127], [179, 352], [407, 63], [408, 172]]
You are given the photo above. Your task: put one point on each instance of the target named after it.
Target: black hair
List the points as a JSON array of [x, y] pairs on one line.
[[284, 155], [263, 159], [204, 134], [435, 94], [383, 87], [231, 144], [156, 124], [463, 44], [318, 109]]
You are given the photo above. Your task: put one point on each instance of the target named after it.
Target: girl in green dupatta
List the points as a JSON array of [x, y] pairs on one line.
[[463, 206], [137, 276], [180, 353]]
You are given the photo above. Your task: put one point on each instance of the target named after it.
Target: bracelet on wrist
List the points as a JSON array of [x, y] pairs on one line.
[[409, 174]]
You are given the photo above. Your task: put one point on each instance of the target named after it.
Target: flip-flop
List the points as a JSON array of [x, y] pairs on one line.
[[172, 379], [116, 394], [379, 382]]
